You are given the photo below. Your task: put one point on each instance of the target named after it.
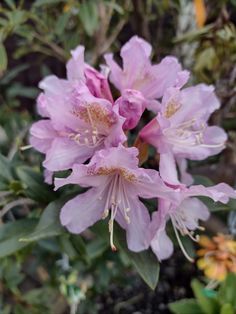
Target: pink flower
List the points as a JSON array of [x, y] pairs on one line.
[[78, 124], [116, 183], [139, 74], [180, 129], [184, 213]]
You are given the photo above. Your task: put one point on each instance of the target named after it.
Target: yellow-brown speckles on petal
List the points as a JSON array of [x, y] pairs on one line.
[[171, 109], [95, 115], [126, 174]]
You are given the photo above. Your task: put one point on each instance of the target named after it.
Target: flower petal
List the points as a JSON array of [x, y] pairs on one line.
[[193, 210], [82, 211], [131, 106], [64, 153], [75, 66], [167, 168], [219, 193], [160, 243], [42, 135], [186, 178], [137, 229]]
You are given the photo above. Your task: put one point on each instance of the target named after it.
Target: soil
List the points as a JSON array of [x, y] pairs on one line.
[[174, 284]]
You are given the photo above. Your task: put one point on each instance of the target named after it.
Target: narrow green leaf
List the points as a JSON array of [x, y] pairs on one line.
[[39, 3], [145, 262], [202, 180], [49, 224], [3, 58], [185, 306], [11, 74], [5, 171], [35, 188], [88, 14], [61, 23], [96, 248], [11, 4], [11, 232]]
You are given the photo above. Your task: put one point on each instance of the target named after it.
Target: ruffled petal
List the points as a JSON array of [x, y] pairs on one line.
[[115, 71], [42, 135], [75, 66], [221, 192], [82, 175], [151, 185]]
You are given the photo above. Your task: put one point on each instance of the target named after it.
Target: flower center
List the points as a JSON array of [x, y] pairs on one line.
[[88, 137], [186, 134], [98, 120]]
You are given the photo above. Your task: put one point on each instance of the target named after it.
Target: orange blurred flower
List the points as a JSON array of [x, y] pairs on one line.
[[217, 257]]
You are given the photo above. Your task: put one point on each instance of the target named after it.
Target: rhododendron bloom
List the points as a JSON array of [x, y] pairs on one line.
[[180, 129], [139, 74], [116, 182], [78, 124], [184, 213]]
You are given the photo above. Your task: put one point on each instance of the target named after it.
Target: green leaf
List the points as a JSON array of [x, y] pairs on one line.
[[96, 248], [40, 3], [227, 290], [5, 171], [11, 232], [3, 58], [145, 262], [18, 90], [88, 13], [11, 74], [208, 305], [11, 4], [227, 309], [185, 306], [61, 23], [79, 245], [214, 206], [202, 180], [49, 224], [35, 188]]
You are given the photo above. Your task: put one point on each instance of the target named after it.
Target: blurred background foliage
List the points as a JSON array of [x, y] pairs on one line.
[[42, 268]]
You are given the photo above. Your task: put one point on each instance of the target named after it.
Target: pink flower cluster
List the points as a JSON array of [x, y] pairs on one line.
[[84, 129]]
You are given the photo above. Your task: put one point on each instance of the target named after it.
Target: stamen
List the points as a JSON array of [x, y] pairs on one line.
[[22, 148], [201, 228], [116, 198], [181, 244], [105, 213]]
